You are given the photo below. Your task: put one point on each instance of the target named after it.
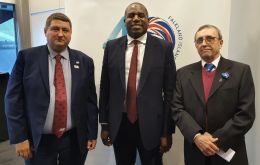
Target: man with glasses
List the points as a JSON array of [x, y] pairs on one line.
[[214, 104]]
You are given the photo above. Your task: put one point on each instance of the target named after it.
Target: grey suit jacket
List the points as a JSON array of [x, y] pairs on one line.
[[155, 89], [230, 109]]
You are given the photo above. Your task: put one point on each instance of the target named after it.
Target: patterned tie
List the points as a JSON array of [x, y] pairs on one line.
[[131, 85], [60, 109], [209, 67]]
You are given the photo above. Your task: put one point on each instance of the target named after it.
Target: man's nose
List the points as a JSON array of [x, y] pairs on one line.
[[136, 17], [60, 32]]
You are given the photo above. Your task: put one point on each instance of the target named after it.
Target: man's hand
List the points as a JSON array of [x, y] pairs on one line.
[[105, 137], [91, 144], [207, 144], [165, 143], [24, 150]]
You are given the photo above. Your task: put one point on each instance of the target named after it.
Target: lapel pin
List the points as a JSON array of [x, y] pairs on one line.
[[225, 75], [77, 62], [76, 66]]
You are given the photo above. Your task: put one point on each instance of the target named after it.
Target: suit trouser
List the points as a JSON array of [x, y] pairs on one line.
[[58, 151], [128, 141]]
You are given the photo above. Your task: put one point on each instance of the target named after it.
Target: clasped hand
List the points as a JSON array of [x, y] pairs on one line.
[[207, 144]]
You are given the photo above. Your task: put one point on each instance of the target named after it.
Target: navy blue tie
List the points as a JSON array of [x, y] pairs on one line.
[[209, 67]]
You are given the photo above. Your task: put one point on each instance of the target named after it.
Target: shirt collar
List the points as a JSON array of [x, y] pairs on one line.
[[141, 39], [64, 53], [215, 62]]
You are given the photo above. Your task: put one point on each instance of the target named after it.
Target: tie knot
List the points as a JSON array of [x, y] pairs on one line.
[[135, 42], [58, 57], [209, 67]]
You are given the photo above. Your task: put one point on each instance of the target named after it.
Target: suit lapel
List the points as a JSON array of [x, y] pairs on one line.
[[223, 67], [196, 80], [121, 60], [74, 61], [147, 62], [44, 66]]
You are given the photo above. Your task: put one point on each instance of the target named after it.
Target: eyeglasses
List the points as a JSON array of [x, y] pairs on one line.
[[208, 40]]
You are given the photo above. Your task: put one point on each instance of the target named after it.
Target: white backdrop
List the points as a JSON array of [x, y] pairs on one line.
[[94, 20], [245, 47]]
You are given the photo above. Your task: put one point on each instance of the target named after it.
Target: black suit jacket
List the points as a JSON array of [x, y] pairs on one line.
[[230, 109], [3, 128], [155, 89], [28, 96]]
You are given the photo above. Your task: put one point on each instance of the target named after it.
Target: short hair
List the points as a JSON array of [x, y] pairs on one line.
[[209, 26], [137, 3], [57, 16]]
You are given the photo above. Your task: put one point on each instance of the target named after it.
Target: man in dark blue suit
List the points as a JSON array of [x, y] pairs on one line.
[[137, 82], [33, 97]]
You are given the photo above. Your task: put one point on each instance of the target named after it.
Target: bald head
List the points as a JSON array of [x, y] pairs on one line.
[[136, 4]]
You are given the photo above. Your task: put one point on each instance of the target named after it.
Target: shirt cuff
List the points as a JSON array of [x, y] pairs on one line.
[[196, 136]]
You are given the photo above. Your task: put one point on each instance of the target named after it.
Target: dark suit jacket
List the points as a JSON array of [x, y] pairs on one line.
[[3, 128], [28, 96], [230, 109], [155, 89]]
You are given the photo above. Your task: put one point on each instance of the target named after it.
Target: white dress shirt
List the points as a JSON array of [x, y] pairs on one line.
[[140, 56]]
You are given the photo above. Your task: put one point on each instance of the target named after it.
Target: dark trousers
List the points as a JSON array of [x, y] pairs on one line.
[[207, 161], [58, 151], [128, 141]]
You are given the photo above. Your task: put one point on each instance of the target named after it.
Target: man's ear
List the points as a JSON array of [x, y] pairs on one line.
[[45, 30], [221, 42]]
